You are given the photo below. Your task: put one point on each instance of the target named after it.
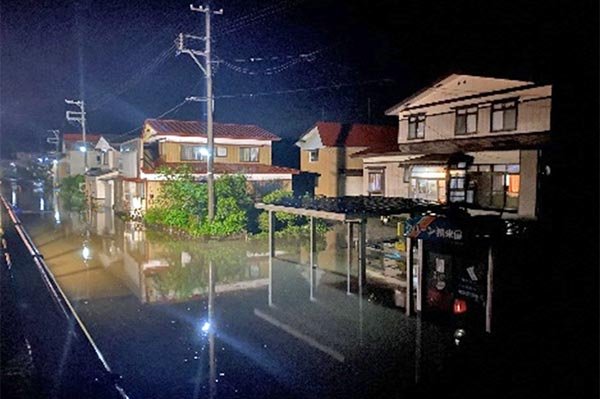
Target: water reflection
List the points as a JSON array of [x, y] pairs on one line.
[[183, 318]]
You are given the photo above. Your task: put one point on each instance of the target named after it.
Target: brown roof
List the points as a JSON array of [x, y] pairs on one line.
[[221, 130], [438, 159], [72, 137], [449, 146], [228, 168], [334, 134]]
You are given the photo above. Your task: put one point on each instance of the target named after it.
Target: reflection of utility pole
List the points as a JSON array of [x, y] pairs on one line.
[[212, 373], [75, 116], [207, 69]]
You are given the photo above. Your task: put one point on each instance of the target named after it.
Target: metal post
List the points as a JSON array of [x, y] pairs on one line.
[[362, 249], [420, 266], [490, 291], [409, 276], [271, 254], [312, 258], [350, 230]]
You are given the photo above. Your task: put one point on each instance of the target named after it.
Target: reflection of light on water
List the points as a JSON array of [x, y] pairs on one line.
[[86, 252], [42, 204]]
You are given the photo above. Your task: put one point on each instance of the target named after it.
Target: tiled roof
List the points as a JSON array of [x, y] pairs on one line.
[[335, 134], [230, 168], [488, 143], [221, 130], [72, 137]]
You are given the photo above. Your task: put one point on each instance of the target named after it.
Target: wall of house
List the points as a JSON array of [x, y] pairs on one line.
[[495, 157], [331, 160], [171, 152], [532, 116], [353, 185], [153, 190], [528, 186], [327, 169]]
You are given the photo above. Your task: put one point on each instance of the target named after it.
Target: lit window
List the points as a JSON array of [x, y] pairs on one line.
[[376, 182], [193, 153], [466, 120], [416, 126], [504, 116], [249, 154], [221, 151], [313, 155]]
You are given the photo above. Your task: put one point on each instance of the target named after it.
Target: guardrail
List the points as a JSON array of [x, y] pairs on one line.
[[56, 292]]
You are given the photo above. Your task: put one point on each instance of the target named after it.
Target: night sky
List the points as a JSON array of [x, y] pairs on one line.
[[322, 60]]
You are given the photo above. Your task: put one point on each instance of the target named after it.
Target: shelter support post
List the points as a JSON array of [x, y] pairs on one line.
[[420, 266], [362, 251], [312, 258], [271, 254], [349, 239], [409, 276]]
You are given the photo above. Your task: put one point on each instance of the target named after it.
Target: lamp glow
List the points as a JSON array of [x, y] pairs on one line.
[[206, 326], [204, 152], [86, 253], [82, 149]]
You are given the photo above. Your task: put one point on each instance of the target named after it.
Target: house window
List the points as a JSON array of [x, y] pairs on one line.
[[504, 116], [249, 154], [376, 182], [313, 155], [221, 152], [496, 186], [416, 126], [193, 153], [466, 120], [428, 183]]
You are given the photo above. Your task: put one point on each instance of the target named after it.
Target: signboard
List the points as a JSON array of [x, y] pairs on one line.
[[431, 227]]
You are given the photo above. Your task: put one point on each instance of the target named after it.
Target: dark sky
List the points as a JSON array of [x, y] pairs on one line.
[[118, 56]]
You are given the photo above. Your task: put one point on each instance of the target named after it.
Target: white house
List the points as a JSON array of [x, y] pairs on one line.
[[466, 139]]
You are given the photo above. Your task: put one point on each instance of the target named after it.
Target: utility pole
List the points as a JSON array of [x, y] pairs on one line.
[[207, 70], [79, 116], [55, 139]]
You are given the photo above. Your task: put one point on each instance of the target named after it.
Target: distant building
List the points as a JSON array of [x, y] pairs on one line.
[[471, 140], [326, 151], [239, 149]]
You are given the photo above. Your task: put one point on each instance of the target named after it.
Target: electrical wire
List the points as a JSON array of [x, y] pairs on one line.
[[304, 89], [170, 110]]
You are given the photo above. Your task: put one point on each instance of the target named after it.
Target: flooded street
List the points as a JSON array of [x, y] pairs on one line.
[[180, 318]]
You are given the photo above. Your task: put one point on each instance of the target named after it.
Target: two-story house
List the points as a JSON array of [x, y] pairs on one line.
[[238, 149], [466, 139], [73, 152], [326, 150], [101, 177]]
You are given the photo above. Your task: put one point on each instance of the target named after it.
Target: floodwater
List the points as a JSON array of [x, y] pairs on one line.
[[180, 318]]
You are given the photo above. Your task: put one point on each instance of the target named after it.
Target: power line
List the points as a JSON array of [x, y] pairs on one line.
[[136, 78], [257, 16], [173, 109], [304, 89]]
